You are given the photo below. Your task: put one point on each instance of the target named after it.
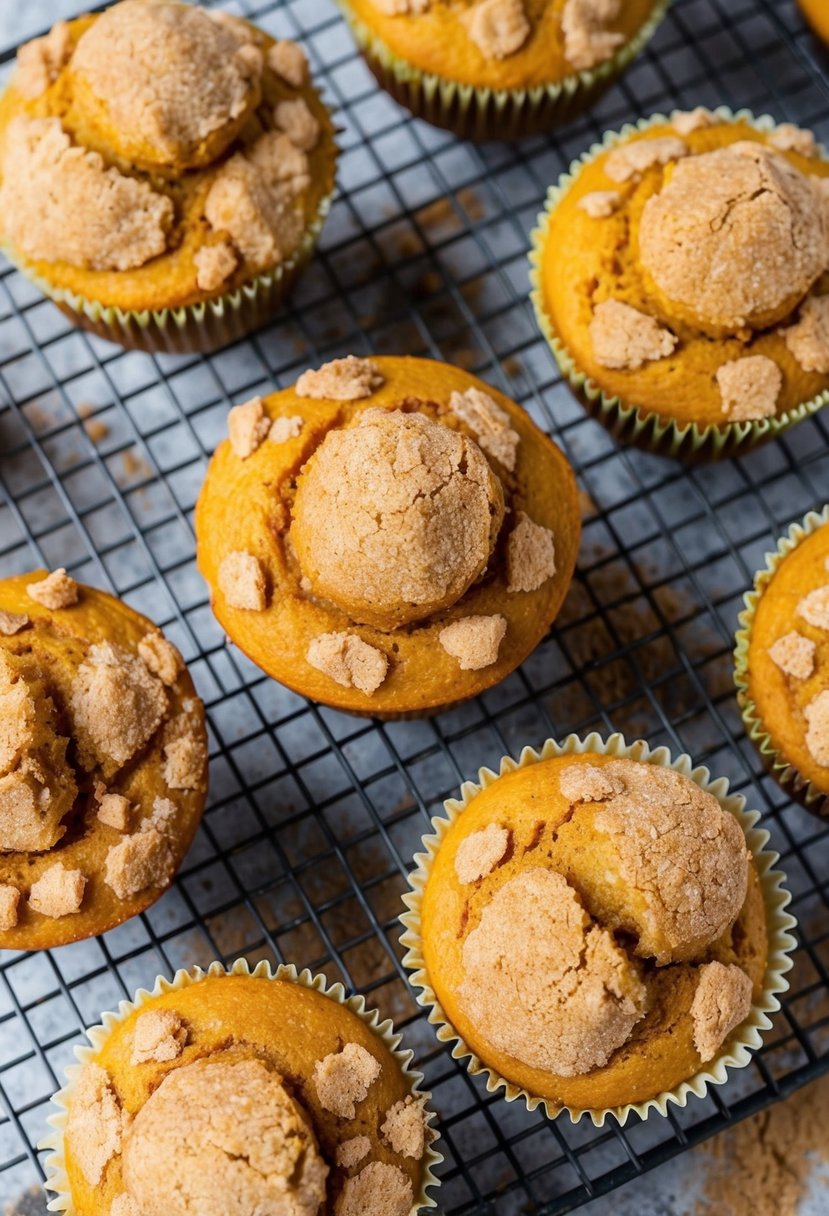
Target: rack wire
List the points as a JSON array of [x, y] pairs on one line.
[[314, 816]]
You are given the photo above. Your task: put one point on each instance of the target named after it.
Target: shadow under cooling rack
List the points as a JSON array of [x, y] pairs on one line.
[[314, 816]]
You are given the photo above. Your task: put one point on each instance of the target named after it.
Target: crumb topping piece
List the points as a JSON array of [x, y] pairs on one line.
[[589, 783], [294, 117], [160, 657], [396, 517], [531, 555], [40, 61], [288, 60], [628, 161], [794, 654], [587, 40], [214, 265], [167, 77], [241, 579], [116, 705], [347, 379], [352, 1152], [474, 640], [685, 122], [160, 1035], [184, 763], [113, 809], [57, 590], [342, 1080], [749, 388], [489, 423], [348, 661], [722, 1001], [378, 1190], [545, 983], [479, 854], [254, 199], [400, 8], [96, 1123], [219, 1138], [58, 892], [144, 858], [247, 427], [498, 28], [626, 339], [62, 204], [789, 138], [814, 607], [599, 204], [808, 338], [124, 1205], [817, 733], [283, 429], [736, 237], [405, 1129], [13, 622], [9, 901]]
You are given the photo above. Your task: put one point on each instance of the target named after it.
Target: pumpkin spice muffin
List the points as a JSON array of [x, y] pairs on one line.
[[499, 69], [407, 537], [817, 14], [226, 1093], [782, 661], [679, 273], [103, 761], [164, 172], [594, 931]]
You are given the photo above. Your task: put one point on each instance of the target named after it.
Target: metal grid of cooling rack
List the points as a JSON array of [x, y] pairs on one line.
[[314, 816]]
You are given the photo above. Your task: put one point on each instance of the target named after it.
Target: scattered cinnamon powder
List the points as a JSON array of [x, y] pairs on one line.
[[789, 138], [808, 338], [247, 427], [13, 622], [113, 809], [489, 424], [214, 265], [685, 122], [352, 1152], [405, 1128], [480, 853], [161, 657], [590, 783], [630, 160], [750, 387], [9, 900], [160, 1035], [474, 640], [817, 734], [531, 555], [587, 40], [283, 429], [288, 60], [346, 379], [722, 1001], [794, 654], [116, 705], [814, 607], [348, 660], [184, 763], [241, 580], [294, 117], [58, 891], [57, 590], [625, 338], [40, 61], [599, 204], [96, 1124], [343, 1079], [498, 28], [378, 1190]]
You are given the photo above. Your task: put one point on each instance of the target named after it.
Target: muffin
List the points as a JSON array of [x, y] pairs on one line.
[[679, 274], [103, 761], [406, 538], [597, 929], [164, 172], [499, 69], [232, 1092], [817, 14], [782, 661]]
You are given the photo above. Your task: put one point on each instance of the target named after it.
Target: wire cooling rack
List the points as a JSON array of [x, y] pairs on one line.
[[314, 816]]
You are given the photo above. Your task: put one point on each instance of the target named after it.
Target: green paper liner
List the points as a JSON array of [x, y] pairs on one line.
[[626, 421], [196, 328], [786, 775], [56, 1176], [484, 113], [737, 1051]]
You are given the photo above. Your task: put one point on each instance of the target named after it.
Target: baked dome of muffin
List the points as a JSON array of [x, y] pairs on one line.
[[103, 761], [408, 536]]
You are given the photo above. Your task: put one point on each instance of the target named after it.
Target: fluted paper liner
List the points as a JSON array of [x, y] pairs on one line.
[[737, 1053], [784, 773], [627, 421], [56, 1176], [486, 113]]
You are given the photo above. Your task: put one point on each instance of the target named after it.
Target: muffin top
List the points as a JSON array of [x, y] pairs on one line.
[[505, 43], [238, 1093], [684, 269], [788, 658], [571, 920], [157, 153], [409, 533], [103, 761]]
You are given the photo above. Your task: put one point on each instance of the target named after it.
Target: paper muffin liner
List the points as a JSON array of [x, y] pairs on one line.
[[626, 421], [56, 1176], [784, 773], [485, 113], [781, 943], [195, 328]]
